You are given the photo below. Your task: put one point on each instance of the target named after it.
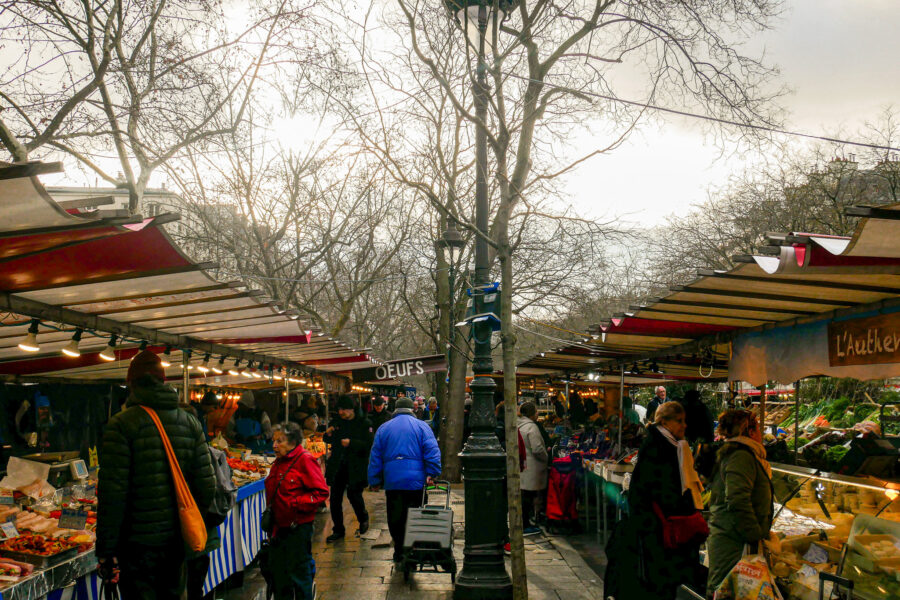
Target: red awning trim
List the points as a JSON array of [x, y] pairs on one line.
[[337, 361], [137, 252], [661, 328]]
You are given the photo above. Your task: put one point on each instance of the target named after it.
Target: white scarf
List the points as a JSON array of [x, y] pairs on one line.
[[758, 451], [689, 478]]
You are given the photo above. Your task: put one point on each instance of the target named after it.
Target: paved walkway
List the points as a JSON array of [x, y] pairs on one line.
[[361, 569]]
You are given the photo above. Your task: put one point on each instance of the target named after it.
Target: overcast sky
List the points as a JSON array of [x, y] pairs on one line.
[[839, 58]]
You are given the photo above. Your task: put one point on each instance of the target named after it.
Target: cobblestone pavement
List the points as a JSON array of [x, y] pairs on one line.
[[361, 569]]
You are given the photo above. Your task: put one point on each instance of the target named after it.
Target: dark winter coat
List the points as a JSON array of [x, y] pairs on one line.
[[355, 457], [379, 418], [136, 497], [656, 479], [652, 406], [698, 418], [741, 508]]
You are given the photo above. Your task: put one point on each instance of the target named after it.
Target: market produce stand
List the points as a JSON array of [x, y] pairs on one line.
[[82, 293]]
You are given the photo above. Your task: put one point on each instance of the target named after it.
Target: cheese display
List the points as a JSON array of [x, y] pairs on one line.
[[846, 526]]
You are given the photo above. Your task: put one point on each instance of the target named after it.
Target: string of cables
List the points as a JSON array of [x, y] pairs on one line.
[[684, 113]]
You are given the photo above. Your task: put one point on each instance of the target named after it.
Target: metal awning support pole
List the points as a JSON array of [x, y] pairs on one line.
[[796, 418], [185, 363], [763, 396], [621, 406], [287, 398]]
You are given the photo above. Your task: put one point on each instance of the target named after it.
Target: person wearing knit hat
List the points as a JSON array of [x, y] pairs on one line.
[[380, 414], [350, 437], [137, 516], [405, 456]]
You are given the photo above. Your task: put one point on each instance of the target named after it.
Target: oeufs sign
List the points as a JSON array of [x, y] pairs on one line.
[[397, 369]]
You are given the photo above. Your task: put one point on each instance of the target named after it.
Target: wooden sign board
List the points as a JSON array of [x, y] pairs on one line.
[[869, 341]]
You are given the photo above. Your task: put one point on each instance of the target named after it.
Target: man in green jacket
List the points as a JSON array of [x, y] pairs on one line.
[[138, 526]]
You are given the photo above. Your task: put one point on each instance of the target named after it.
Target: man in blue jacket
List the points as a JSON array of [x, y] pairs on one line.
[[405, 457]]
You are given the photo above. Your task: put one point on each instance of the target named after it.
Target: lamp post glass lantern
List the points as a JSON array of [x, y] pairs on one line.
[[483, 575], [451, 244]]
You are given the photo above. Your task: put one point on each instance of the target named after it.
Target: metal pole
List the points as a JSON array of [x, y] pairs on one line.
[[621, 408], [483, 575], [287, 398], [762, 408], [796, 418], [186, 381]]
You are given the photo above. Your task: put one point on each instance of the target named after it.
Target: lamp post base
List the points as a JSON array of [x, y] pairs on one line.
[[484, 575]]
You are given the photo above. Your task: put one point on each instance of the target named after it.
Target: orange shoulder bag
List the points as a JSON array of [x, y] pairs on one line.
[[192, 527]]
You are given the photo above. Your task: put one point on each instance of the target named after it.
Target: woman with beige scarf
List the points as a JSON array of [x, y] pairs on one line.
[[664, 484], [741, 495]]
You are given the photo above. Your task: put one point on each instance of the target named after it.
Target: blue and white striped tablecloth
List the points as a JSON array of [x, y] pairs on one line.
[[241, 536]]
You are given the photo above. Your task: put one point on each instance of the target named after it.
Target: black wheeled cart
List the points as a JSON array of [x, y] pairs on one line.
[[428, 540]]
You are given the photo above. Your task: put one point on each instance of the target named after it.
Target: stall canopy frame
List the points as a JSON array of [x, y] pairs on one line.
[[123, 275]]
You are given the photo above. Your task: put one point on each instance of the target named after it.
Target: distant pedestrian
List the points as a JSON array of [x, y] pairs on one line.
[[405, 457], [658, 399], [250, 426], [434, 415], [350, 437], [533, 480], [380, 414], [699, 419]]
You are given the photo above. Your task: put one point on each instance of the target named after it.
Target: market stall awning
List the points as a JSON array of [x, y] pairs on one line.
[[125, 276], [688, 332]]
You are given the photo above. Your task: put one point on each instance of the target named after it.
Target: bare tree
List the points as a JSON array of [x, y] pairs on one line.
[[141, 81]]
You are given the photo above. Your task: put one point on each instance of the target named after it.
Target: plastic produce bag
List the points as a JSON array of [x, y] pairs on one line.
[[750, 579]]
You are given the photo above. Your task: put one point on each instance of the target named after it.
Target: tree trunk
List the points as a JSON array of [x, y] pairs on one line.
[[513, 490], [455, 424]]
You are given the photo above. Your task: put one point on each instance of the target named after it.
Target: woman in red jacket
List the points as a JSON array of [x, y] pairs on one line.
[[295, 488]]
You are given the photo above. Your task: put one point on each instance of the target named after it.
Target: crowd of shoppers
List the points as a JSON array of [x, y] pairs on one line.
[[653, 550]]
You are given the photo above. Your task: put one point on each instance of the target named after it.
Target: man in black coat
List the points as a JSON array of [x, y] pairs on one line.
[[380, 414], [347, 470], [137, 521]]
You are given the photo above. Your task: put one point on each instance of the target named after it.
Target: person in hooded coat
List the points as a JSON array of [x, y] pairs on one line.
[[740, 504]]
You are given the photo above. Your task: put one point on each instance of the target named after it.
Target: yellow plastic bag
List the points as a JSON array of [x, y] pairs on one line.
[[750, 579]]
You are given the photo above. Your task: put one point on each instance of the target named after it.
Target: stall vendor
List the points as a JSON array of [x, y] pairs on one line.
[[250, 426]]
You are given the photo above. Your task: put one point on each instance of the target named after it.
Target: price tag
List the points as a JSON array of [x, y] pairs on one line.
[[9, 530], [72, 519], [6, 497]]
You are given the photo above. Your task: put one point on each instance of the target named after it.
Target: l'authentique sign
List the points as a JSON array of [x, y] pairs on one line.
[[869, 341], [397, 369]]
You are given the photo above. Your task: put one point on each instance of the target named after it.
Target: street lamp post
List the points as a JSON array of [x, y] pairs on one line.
[[484, 574]]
